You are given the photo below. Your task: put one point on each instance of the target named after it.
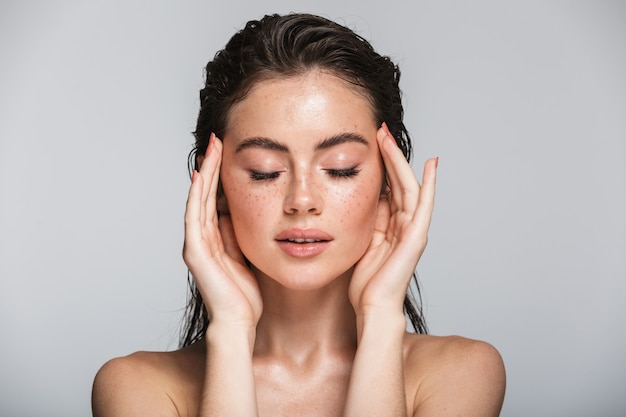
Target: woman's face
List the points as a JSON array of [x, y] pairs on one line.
[[302, 175]]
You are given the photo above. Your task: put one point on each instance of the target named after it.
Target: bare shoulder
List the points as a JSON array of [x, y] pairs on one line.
[[453, 376], [148, 384]]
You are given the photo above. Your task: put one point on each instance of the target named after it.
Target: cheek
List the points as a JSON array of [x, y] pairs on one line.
[[359, 205], [248, 204]]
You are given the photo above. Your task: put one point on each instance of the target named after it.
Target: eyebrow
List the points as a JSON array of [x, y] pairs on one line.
[[261, 142], [273, 145], [339, 139]]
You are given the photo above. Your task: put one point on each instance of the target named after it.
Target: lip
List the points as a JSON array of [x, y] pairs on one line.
[[285, 240]]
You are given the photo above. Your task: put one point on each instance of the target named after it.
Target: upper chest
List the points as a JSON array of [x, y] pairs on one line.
[[302, 391]]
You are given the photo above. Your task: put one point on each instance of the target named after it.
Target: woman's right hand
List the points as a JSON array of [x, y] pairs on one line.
[[228, 287]]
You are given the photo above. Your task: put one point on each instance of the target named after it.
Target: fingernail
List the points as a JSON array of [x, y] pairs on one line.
[[211, 140], [436, 162], [381, 134], [388, 136]]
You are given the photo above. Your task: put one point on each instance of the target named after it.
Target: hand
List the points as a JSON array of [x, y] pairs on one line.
[[228, 287], [382, 276]]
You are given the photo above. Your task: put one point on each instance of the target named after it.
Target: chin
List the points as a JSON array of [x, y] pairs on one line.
[[303, 279]]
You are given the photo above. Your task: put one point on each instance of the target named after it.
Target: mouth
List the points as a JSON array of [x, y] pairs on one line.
[[303, 236], [302, 240], [303, 243]]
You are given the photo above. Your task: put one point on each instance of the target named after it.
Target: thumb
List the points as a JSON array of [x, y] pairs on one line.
[[383, 216], [231, 247]]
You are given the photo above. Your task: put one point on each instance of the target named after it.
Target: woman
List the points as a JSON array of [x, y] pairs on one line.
[[303, 227]]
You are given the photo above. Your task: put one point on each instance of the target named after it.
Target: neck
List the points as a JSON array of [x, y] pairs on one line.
[[303, 323]]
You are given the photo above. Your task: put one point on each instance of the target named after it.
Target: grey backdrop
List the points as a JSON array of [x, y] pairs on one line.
[[524, 102]]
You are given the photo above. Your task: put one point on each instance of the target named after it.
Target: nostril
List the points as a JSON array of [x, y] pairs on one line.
[[303, 196]]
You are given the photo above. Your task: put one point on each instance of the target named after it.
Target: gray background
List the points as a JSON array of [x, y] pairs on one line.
[[524, 102]]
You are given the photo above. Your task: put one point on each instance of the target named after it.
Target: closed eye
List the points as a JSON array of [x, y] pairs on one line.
[[343, 173], [263, 176]]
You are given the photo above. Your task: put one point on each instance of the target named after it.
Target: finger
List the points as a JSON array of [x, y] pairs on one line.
[[192, 209], [426, 203], [208, 172], [404, 186], [215, 179], [205, 173]]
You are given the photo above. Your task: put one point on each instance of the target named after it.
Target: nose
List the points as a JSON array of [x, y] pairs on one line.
[[304, 196]]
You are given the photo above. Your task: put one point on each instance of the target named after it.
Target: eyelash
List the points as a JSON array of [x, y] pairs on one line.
[[263, 176], [335, 173], [343, 173]]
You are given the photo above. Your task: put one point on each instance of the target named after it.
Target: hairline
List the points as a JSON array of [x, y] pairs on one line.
[[269, 75]]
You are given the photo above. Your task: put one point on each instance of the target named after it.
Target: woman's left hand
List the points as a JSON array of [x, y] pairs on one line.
[[381, 277]]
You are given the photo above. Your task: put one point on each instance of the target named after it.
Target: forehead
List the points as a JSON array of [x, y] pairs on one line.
[[314, 99]]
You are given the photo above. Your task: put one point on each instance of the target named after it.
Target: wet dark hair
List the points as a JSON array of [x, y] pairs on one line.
[[284, 46]]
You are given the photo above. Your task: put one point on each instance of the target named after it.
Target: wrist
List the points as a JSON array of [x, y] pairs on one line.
[[380, 314], [230, 336], [381, 323]]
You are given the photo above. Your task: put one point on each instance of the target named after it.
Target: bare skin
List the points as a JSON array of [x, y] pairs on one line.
[[315, 327], [444, 376]]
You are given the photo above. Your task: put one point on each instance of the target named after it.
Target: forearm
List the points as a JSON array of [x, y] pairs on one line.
[[229, 389], [377, 381]]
